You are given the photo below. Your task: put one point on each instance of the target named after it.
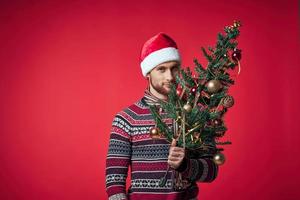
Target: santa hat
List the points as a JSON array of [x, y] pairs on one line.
[[158, 49]]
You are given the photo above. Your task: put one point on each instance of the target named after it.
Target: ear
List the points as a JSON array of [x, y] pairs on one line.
[[148, 76]]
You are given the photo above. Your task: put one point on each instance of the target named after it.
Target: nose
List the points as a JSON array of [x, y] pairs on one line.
[[169, 75]]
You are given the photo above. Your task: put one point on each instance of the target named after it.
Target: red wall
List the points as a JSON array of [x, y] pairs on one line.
[[68, 66]]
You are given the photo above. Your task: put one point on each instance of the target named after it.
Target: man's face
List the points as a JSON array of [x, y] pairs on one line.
[[162, 76]]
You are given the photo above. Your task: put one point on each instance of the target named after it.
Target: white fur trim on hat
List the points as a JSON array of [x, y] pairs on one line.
[[158, 57]]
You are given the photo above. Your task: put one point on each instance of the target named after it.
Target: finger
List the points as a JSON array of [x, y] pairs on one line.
[[176, 154], [173, 143], [177, 157], [171, 163], [173, 160], [177, 149], [174, 157]]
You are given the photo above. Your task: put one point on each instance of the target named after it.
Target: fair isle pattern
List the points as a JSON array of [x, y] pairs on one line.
[[120, 196], [149, 184], [115, 178], [131, 146]]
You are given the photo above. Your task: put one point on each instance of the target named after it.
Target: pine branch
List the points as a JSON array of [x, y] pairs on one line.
[[201, 134]]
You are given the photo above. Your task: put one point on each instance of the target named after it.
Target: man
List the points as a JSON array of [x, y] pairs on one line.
[[132, 145]]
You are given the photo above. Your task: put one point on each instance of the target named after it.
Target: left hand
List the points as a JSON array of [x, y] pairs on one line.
[[176, 155]]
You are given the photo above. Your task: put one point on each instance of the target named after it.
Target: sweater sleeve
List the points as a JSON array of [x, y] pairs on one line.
[[118, 158], [200, 170]]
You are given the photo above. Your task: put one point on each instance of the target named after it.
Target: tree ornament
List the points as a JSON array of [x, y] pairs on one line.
[[194, 90], [154, 133], [219, 158], [216, 122], [213, 86], [236, 54], [187, 108], [236, 24], [228, 101], [179, 91]]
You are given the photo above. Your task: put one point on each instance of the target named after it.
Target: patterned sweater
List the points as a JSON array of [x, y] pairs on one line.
[[131, 146]]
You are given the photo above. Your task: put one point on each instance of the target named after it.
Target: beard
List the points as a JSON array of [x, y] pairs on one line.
[[161, 88]]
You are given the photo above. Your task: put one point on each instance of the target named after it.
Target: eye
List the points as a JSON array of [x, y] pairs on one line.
[[175, 69], [161, 69]]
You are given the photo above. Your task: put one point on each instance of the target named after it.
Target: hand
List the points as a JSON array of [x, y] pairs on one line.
[[176, 155]]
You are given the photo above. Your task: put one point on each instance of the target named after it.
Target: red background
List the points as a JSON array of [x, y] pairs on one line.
[[68, 66]]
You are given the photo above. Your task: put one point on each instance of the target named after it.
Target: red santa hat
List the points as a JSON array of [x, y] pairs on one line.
[[158, 49]]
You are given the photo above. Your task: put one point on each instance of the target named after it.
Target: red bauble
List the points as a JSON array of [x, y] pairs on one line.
[[179, 91], [217, 122], [236, 54], [194, 90]]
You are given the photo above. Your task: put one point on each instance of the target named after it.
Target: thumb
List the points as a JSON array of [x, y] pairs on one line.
[[173, 143]]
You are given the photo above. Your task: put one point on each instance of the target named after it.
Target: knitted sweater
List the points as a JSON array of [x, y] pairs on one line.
[[131, 146]]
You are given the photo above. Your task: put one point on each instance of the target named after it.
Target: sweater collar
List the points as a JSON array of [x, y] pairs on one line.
[[150, 99]]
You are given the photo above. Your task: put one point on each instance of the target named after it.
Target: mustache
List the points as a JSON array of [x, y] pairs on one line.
[[169, 83]]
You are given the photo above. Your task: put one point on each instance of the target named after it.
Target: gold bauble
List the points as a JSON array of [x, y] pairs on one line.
[[219, 158], [154, 133], [228, 101], [214, 86], [187, 107]]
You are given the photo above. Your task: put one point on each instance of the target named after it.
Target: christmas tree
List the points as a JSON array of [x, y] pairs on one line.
[[198, 102]]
